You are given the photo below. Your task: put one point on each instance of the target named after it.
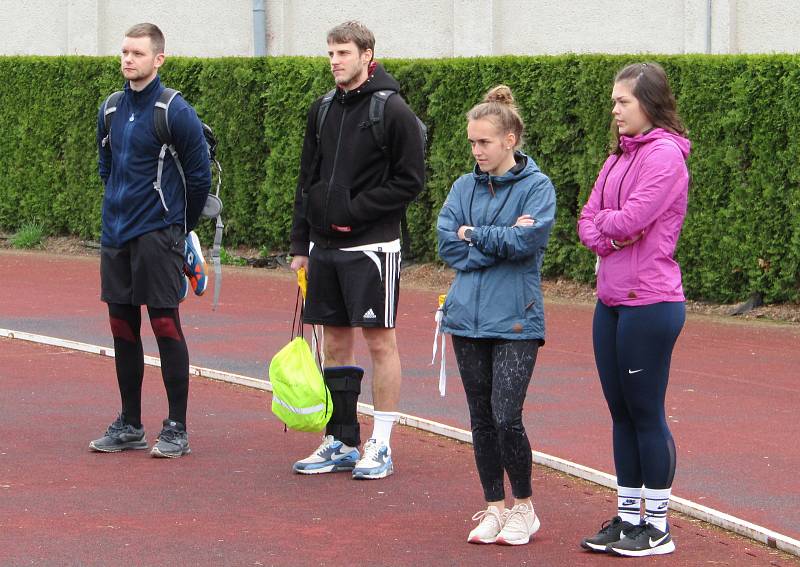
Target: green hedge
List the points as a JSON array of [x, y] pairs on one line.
[[742, 233]]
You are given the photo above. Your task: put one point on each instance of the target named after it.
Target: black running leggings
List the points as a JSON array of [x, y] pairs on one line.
[[633, 349], [125, 323], [496, 374]]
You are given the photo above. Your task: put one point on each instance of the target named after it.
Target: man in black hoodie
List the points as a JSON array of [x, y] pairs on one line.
[[350, 198]]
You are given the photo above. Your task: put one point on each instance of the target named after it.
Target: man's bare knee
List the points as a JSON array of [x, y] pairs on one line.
[[380, 342], [339, 346]]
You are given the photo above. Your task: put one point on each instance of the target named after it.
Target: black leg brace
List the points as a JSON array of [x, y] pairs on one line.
[[344, 382]]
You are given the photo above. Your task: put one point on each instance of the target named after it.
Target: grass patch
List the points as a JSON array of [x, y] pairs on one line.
[[30, 235], [229, 259]]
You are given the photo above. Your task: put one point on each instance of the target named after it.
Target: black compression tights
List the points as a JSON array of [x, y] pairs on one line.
[[496, 374], [125, 322]]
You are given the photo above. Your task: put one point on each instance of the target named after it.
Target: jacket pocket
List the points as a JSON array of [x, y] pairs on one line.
[[314, 203], [501, 308], [458, 308], [634, 267], [338, 209]]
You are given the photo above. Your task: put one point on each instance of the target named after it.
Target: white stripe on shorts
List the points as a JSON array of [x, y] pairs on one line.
[[392, 270]]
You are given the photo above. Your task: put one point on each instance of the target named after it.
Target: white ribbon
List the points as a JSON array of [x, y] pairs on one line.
[[442, 370]]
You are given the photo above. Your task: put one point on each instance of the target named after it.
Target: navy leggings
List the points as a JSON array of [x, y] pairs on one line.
[[496, 374], [632, 349]]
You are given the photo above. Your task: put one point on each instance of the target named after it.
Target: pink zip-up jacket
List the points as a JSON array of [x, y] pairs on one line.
[[643, 191]]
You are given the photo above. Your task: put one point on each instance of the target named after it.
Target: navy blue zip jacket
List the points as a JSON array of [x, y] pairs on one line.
[[128, 167], [497, 291]]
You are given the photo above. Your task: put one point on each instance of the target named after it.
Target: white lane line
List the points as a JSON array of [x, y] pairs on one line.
[[736, 525]]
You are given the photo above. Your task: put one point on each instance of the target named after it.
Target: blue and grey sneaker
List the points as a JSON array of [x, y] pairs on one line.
[[119, 437], [184, 292], [376, 462], [194, 265], [173, 441], [331, 456]]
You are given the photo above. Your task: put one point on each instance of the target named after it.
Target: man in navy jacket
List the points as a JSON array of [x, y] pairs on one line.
[[143, 239]]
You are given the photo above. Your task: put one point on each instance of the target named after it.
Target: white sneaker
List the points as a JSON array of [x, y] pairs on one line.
[[376, 462], [491, 522], [520, 525]]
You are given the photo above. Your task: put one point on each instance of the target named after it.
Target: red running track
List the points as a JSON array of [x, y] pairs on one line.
[[235, 501], [732, 401]]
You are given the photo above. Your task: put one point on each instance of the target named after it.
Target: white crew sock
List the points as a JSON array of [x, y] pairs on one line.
[[629, 504], [382, 425], [656, 504]]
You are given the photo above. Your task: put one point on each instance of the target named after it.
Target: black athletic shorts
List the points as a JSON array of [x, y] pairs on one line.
[[352, 289], [147, 270]]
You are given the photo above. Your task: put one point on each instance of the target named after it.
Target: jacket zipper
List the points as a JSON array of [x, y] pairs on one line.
[[478, 298], [480, 272], [126, 136], [333, 171]]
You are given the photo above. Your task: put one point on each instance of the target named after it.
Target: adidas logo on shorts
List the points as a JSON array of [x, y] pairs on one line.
[[370, 314]]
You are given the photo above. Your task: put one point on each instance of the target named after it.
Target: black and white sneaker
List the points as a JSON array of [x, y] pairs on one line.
[[610, 532], [643, 540]]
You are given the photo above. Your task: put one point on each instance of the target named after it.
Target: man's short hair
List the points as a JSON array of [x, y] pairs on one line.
[[353, 31], [151, 31]]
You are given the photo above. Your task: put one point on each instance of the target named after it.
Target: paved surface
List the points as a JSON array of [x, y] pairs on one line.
[[732, 401], [234, 500]]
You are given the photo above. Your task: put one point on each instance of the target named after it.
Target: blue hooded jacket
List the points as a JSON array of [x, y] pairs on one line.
[[497, 290], [129, 163]]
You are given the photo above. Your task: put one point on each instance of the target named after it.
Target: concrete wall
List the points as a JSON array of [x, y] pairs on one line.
[[409, 28], [203, 28]]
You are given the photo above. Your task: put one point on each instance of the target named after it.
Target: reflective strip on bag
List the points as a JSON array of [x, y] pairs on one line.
[[298, 411]]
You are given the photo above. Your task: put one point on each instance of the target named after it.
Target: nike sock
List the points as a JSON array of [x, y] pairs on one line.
[[629, 504], [656, 506], [382, 425]]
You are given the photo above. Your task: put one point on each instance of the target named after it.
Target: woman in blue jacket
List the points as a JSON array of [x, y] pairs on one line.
[[493, 230]]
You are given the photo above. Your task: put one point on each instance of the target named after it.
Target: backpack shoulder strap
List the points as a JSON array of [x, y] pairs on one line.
[[161, 115], [377, 109], [109, 108], [322, 111]]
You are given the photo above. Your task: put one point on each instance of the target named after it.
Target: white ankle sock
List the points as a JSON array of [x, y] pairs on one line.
[[656, 504], [382, 425], [629, 504]]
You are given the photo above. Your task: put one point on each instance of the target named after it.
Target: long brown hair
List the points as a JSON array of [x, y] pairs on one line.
[[651, 88]]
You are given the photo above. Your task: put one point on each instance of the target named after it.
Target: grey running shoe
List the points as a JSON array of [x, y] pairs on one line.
[[119, 437], [610, 532], [173, 441], [643, 540]]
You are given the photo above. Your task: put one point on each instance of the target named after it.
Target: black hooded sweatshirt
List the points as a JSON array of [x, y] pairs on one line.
[[347, 201]]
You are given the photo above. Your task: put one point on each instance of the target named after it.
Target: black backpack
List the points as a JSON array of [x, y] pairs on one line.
[[213, 206], [377, 109]]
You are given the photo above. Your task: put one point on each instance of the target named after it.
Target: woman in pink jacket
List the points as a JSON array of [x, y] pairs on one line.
[[632, 222]]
